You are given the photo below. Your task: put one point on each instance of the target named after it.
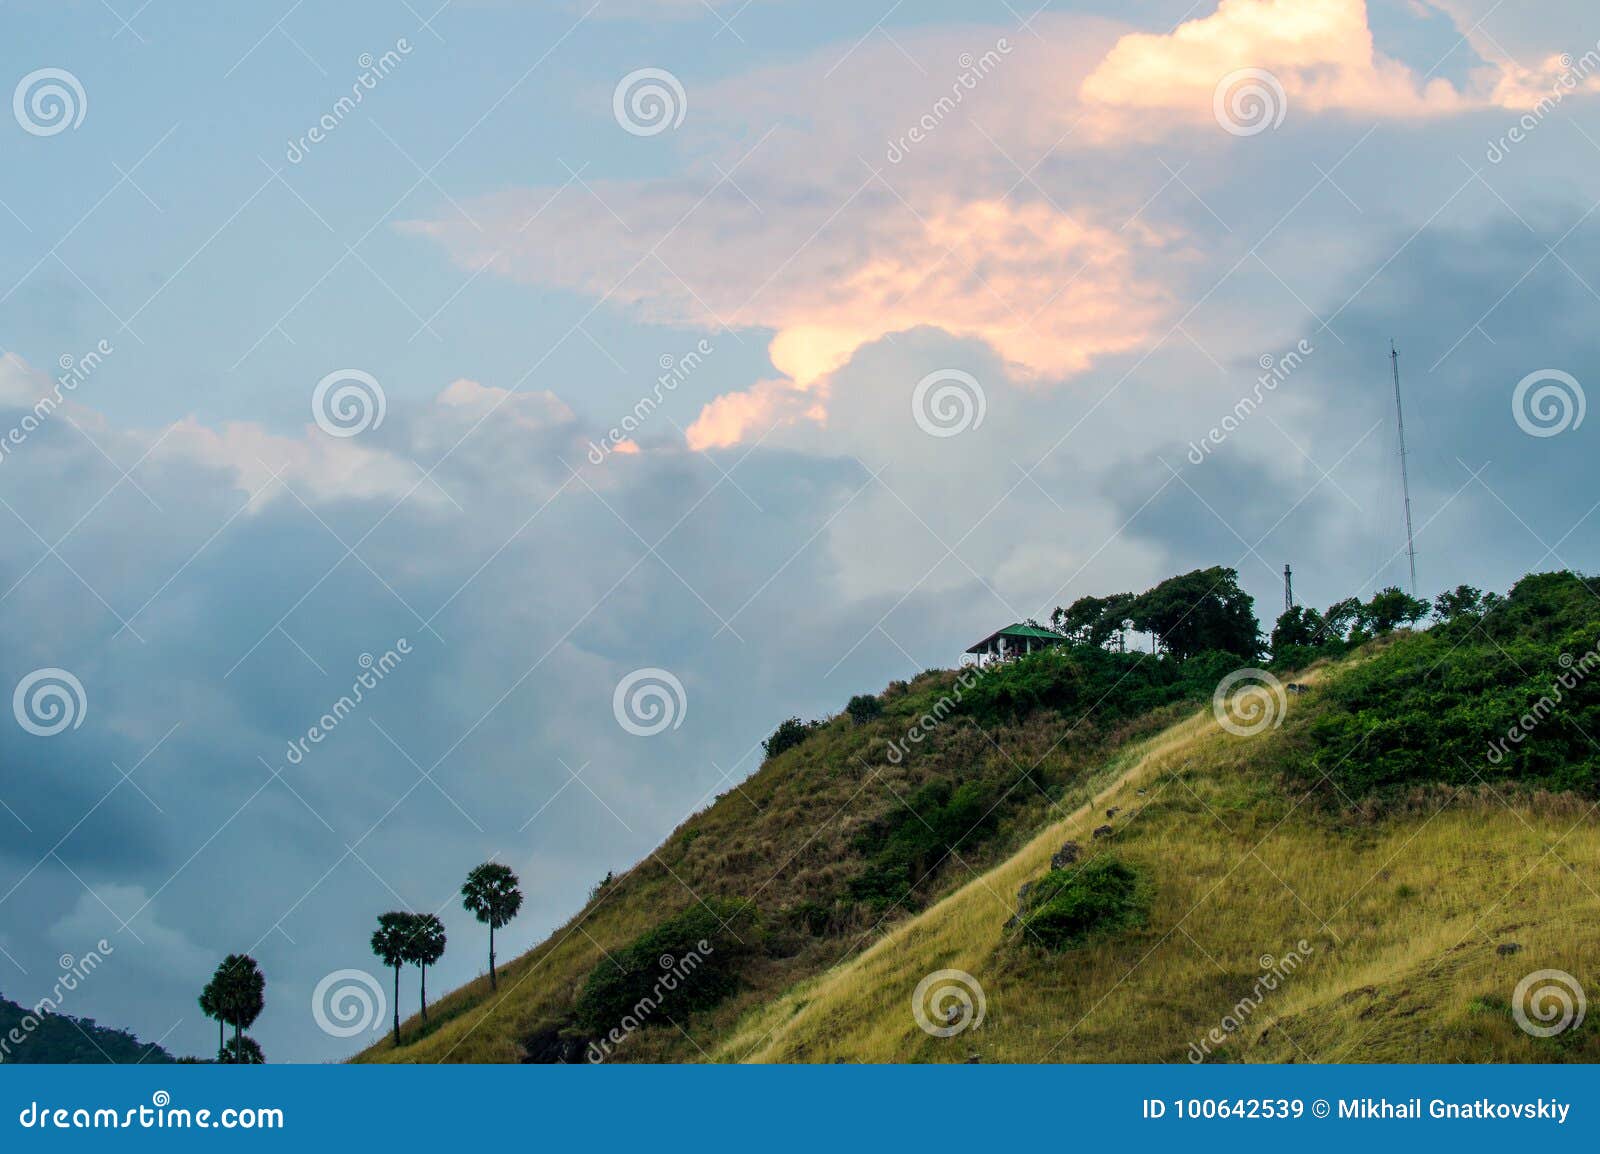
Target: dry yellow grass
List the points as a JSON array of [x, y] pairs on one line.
[[1402, 919]]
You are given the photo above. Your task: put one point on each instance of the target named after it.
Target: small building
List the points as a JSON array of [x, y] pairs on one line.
[[1013, 641]]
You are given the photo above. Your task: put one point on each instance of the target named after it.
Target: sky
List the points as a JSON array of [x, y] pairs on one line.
[[598, 383]]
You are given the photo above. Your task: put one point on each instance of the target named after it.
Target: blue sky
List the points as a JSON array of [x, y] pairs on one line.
[[1091, 242]]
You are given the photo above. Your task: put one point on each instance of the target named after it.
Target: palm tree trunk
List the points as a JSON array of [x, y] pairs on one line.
[[238, 1044], [397, 1005], [424, 993], [493, 983]]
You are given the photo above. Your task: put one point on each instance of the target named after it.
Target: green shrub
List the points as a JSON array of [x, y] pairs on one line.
[[913, 839], [1069, 906], [863, 707], [640, 985], [1512, 695], [789, 734]]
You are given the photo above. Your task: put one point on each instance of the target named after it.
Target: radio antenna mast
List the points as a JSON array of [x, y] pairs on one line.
[[1405, 480]]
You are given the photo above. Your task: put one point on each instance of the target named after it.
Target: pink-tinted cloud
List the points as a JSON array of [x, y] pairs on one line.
[[1320, 52]]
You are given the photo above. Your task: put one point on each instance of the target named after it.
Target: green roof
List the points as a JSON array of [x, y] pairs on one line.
[[1017, 630]]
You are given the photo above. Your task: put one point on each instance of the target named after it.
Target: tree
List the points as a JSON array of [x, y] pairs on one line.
[[1339, 618], [1462, 601], [1391, 608], [246, 1052], [1198, 612], [1297, 626], [426, 947], [209, 1006], [491, 895], [1093, 620], [391, 942], [239, 995]]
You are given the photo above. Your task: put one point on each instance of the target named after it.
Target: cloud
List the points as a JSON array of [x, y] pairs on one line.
[[1320, 51]]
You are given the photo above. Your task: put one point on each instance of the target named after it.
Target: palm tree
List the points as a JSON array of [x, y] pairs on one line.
[[248, 1052], [491, 895], [391, 941], [209, 1007], [425, 948], [239, 994]]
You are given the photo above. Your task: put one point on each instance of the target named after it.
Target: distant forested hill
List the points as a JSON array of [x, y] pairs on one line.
[[63, 1038]]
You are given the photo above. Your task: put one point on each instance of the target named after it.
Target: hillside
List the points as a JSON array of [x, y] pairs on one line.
[[29, 1038], [1366, 881]]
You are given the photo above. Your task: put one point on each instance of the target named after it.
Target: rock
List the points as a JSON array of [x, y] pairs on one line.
[[1113, 811], [1506, 949], [1104, 831], [1063, 857], [1141, 793], [1296, 687], [974, 1060]]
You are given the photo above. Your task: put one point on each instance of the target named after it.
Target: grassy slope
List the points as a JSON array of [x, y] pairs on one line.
[[1403, 907], [1403, 916], [789, 838]]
